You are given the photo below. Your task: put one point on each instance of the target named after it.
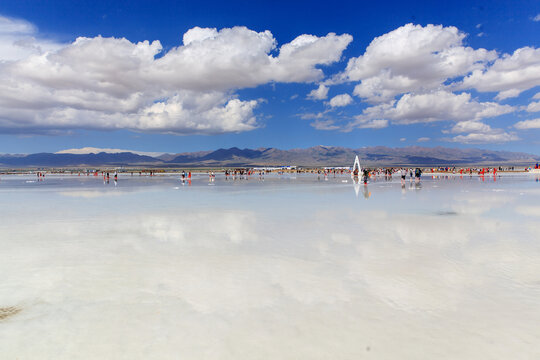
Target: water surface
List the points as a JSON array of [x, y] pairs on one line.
[[285, 267]]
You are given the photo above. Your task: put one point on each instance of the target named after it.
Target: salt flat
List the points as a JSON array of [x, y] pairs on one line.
[[285, 267]]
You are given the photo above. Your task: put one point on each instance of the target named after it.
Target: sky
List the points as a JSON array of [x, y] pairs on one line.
[[178, 76]]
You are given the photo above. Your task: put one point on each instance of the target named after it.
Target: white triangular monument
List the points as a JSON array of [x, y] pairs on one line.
[[356, 166]]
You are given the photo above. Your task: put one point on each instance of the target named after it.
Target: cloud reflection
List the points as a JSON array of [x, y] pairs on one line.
[[229, 282]]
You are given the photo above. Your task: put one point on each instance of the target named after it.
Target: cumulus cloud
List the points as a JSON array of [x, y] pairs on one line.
[[18, 39], [415, 58], [341, 100], [528, 124], [187, 114], [412, 58], [423, 139], [480, 133], [112, 83], [324, 125], [363, 123], [417, 74], [413, 74], [509, 75], [533, 107], [536, 18], [478, 138], [470, 126], [319, 93], [435, 106]]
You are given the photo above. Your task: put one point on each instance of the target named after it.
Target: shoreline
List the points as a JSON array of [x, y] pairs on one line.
[[254, 171]]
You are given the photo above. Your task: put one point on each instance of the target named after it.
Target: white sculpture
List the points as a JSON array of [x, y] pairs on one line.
[[356, 166]]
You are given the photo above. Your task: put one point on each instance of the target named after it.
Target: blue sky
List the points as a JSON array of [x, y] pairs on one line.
[[240, 73]]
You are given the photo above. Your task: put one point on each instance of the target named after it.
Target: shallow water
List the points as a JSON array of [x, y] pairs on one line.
[[285, 267]]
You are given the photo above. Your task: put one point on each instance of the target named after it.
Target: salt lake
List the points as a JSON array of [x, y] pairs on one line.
[[293, 266]]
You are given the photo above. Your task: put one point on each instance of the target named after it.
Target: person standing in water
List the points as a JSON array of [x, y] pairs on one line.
[[417, 174], [366, 175]]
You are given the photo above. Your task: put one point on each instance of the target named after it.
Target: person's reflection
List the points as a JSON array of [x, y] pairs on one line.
[[366, 192], [356, 184]]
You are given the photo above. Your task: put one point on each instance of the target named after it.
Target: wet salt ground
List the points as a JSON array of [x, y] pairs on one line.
[[288, 268]]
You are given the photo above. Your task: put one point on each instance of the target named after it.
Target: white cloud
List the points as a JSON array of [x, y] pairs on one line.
[[341, 100], [528, 124], [311, 116], [319, 93], [533, 106], [536, 18], [15, 26], [185, 112], [423, 139], [238, 57], [435, 106], [324, 125], [181, 114], [18, 40], [424, 66], [509, 75], [412, 58], [403, 139], [110, 83], [426, 108], [536, 96], [470, 126], [480, 133], [362, 123], [477, 138]]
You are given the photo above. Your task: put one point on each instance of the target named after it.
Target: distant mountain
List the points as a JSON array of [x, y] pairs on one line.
[[94, 150], [62, 160], [313, 156], [341, 156], [221, 156]]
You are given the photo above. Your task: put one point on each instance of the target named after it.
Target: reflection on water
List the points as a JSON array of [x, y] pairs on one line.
[[281, 269]]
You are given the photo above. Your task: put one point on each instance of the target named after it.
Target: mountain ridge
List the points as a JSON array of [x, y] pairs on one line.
[[319, 155]]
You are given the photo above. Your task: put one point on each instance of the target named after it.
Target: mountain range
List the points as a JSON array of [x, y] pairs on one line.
[[313, 156]]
